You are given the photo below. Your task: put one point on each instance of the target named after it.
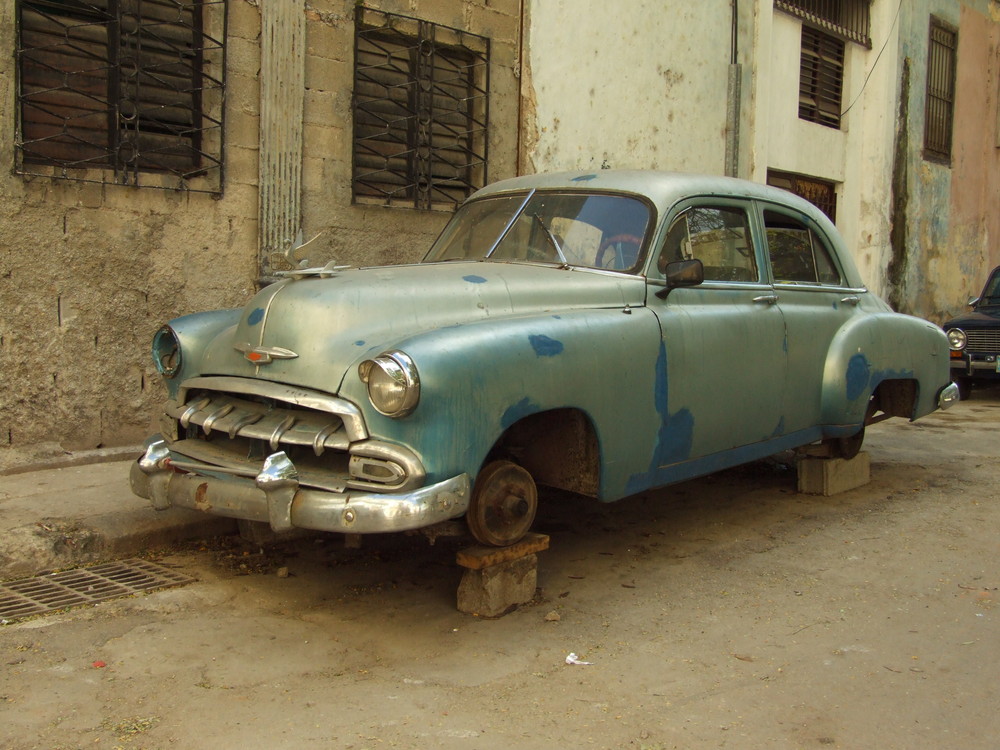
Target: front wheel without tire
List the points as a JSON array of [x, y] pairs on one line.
[[503, 505]]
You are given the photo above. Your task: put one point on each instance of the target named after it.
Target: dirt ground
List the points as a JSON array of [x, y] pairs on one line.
[[728, 612]]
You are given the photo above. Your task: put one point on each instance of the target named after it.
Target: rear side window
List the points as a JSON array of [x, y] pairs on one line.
[[798, 254], [717, 236]]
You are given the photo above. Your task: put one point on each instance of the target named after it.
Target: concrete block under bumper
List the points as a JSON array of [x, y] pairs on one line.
[[293, 506], [830, 476]]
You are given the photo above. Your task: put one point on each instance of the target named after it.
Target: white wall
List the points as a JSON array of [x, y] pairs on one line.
[[627, 84]]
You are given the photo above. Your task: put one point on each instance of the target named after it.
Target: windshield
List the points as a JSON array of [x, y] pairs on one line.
[[991, 294], [574, 229]]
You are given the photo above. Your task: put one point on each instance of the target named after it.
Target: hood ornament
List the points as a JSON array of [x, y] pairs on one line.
[[264, 355]]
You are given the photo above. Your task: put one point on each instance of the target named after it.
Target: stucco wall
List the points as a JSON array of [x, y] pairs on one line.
[[952, 225], [857, 157], [628, 84], [88, 272]]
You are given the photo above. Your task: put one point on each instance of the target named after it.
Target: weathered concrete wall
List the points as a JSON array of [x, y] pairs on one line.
[[858, 156], [88, 272], [951, 222], [628, 84]]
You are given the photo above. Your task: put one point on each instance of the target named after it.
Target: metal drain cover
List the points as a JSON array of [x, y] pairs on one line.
[[71, 588]]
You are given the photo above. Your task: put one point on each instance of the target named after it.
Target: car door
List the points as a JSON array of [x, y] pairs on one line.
[[814, 300], [722, 340]]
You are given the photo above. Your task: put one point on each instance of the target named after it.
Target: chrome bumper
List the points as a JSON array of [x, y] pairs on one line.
[[274, 496], [948, 396]]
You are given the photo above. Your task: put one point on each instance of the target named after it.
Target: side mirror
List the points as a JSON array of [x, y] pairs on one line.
[[682, 273]]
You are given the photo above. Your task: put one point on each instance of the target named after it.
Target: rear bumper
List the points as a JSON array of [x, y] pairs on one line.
[[275, 496]]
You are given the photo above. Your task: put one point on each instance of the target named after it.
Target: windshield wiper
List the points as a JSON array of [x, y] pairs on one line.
[[552, 239]]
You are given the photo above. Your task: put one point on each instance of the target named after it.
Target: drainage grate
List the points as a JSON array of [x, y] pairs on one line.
[[72, 588]]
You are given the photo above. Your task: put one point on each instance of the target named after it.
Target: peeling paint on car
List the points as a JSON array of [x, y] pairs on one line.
[[544, 346], [473, 279], [858, 376], [255, 317], [523, 408]]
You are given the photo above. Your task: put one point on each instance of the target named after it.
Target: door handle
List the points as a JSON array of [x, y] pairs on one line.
[[851, 300], [768, 298]]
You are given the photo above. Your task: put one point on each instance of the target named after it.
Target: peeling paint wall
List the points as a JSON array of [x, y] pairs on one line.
[[629, 84], [857, 157], [88, 272], [952, 225]]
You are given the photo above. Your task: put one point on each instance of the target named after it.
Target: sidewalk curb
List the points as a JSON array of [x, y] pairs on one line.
[[52, 544]]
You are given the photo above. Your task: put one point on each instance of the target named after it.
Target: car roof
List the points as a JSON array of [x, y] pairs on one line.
[[663, 188]]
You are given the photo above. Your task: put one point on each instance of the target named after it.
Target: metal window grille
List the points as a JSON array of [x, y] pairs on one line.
[[847, 19], [820, 193], [130, 87], [421, 112], [940, 108], [821, 78]]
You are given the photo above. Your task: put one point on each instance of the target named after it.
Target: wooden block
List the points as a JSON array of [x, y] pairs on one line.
[[479, 557]]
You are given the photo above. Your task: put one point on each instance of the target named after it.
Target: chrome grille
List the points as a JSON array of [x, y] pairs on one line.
[[275, 425], [983, 340]]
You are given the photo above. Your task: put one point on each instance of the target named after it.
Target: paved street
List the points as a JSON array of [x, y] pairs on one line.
[[729, 611]]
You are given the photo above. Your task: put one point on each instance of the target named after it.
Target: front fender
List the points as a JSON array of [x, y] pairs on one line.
[[480, 378], [874, 348], [195, 332]]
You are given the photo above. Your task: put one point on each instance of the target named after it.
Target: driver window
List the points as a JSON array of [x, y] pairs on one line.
[[718, 237]]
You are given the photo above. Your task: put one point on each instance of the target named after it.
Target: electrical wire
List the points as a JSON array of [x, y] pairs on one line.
[[877, 58]]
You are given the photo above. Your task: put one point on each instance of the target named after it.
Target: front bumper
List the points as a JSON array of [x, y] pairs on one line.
[[274, 495], [987, 368]]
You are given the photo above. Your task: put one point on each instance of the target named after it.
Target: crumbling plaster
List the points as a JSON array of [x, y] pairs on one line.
[[88, 271], [952, 224]]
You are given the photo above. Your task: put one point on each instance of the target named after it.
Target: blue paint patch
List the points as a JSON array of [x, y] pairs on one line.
[[359, 342], [779, 430], [784, 343], [544, 346], [472, 279], [585, 178], [256, 316], [557, 317], [835, 306], [523, 408], [858, 376], [674, 439]]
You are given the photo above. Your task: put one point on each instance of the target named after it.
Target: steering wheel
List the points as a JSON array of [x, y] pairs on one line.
[[617, 261]]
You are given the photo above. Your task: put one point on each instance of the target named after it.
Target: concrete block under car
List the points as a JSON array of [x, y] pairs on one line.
[[830, 476], [496, 580]]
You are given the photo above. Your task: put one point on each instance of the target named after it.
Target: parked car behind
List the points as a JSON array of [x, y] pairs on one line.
[[975, 339], [604, 333]]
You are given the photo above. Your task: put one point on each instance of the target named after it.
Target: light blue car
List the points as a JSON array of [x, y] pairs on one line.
[[603, 333]]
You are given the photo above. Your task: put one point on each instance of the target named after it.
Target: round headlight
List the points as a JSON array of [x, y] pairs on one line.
[[393, 383], [167, 352], [956, 338]]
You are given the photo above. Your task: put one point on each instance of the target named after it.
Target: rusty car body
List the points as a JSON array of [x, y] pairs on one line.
[[604, 333]]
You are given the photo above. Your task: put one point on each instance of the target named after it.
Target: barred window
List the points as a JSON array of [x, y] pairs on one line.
[[940, 111], [821, 78], [134, 87], [847, 19], [421, 112], [820, 193]]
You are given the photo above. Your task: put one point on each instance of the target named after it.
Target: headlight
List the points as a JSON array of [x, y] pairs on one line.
[[167, 352], [393, 383], [956, 338]]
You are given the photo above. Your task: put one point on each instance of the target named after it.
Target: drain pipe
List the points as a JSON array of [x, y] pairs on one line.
[[734, 98]]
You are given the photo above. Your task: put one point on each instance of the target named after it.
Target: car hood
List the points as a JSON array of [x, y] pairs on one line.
[[313, 329], [981, 317]]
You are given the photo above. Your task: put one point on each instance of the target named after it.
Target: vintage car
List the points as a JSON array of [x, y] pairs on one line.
[[603, 333], [975, 339]]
